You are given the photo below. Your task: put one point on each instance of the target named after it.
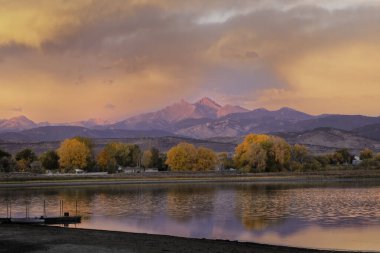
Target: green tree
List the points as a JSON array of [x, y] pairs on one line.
[[36, 167], [323, 160], [27, 155], [225, 162], [50, 160], [135, 155], [113, 155], [161, 165], [299, 153], [311, 164], [151, 158], [156, 161], [6, 162], [336, 158], [117, 154], [342, 156], [24, 158], [296, 166], [4, 154]]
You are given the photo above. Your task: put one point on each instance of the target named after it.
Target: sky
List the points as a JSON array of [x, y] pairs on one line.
[[70, 60]]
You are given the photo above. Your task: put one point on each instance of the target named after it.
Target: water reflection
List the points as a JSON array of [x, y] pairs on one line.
[[291, 214], [259, 207], [187, 202]]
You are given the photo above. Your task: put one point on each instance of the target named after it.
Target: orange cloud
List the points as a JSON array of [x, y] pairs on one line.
[[64, 60], [341, 79]]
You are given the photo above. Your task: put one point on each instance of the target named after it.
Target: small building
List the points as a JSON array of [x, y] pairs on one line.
[[128, 170], [150, 170], [356, 160], [79, 171]]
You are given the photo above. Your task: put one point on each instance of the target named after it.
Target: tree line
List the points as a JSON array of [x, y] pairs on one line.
[[264, 153], [257, 153], [78, 153]]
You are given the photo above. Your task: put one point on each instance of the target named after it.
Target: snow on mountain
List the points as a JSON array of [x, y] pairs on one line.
[[16, 124]]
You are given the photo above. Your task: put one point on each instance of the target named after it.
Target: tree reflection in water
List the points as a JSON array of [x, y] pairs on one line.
[[234, 211], [261, 206], [186, 202]]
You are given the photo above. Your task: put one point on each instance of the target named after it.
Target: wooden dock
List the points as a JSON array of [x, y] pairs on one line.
[[64, 218]]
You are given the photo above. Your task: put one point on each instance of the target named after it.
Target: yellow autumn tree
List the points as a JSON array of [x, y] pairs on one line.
[[250, 153], [146, 159], [186, 157], [255, 157], [182, 157], [104, 160], [262, 153], [116, 154], [281, 149], [206, 159], [73, 154], [366, 154]]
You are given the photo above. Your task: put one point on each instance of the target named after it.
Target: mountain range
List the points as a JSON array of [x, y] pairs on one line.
[[204, 119], [170, 116]]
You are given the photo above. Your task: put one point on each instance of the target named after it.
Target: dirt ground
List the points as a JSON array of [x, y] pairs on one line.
[[18, 238]]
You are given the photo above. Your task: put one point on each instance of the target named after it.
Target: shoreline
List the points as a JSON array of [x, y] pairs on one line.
[[15, 238], [17, 181]]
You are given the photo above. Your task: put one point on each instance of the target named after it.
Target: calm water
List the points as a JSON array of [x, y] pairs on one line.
[[334, 215]]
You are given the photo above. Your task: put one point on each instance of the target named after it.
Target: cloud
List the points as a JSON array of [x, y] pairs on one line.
[[65, 60], [16, 109], [109, 106]]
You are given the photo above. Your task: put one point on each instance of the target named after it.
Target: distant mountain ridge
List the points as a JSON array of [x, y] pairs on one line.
[[182, 110], [16, 124], [322, 140], [369, 131], [203, 119], [58, 133]]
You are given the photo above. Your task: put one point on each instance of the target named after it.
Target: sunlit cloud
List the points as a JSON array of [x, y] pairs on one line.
[[16, 109], [67, 60], [109, 106]]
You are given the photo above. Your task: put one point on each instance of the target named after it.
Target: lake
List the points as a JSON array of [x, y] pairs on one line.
[[333, 215]]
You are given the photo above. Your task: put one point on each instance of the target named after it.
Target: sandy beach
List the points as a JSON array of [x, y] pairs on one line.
[[17, 238]]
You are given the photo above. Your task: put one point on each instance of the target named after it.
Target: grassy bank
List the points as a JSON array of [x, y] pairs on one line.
[[31, 180], [17, 238]]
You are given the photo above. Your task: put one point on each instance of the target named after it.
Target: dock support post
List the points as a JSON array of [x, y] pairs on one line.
[[61, 208], [44, 208]]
